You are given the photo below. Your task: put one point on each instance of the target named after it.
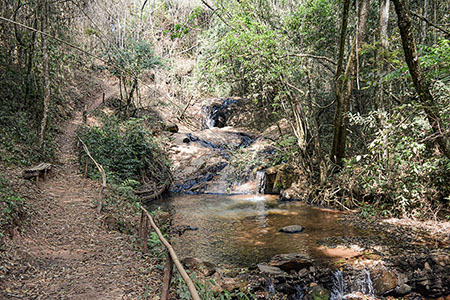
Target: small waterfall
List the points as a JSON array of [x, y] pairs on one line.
[[299, 294], [339, 286], [362, 285], [260, 182], [270, 286], [216, 114]]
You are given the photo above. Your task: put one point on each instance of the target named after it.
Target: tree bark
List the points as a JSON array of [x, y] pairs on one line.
[[344, 85], [420, 83], [381, 59], [45, 71]]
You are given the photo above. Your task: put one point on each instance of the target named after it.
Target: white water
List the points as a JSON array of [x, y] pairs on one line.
[[362, 284], [260, 182]]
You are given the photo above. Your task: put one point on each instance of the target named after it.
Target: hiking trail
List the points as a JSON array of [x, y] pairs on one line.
[[68, 252]]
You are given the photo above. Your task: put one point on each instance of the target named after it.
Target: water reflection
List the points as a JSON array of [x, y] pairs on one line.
[[242, 230]]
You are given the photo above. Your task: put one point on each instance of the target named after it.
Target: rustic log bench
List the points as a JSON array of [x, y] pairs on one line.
[[39, 171]]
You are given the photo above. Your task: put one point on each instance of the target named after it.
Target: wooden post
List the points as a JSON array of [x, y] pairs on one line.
[[86, 167], [167, 279], [145, 235], [103, 98], [173, 255], [102, 172], [85, 114], [141, 226]]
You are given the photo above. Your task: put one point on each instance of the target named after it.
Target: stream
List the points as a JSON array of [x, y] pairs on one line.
[[243, 230], [218, 172]]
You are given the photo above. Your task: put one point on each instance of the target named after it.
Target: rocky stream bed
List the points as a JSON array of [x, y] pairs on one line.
[[237, 243]]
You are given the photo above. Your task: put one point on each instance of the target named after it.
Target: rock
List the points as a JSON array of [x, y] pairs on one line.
[[384, 280], [270, 270], [231, 284], [218, 111], [292, 229], [204, 267], [318, 292], [403, 289], [290, 262], [191, 262], [279, 178]]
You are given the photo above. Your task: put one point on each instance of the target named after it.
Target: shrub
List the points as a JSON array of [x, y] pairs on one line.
[[402, 170], [11, 206], [126, 150]]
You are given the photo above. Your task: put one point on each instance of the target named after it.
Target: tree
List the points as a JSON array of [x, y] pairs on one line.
[[420, 84], [45, 67], [344, 80]]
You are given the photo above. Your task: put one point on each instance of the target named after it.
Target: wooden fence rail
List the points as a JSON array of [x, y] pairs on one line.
[[102, 173], [172, 257], [147, 219]]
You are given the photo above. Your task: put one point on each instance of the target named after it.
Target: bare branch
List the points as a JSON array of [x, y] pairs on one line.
[[430, 23], [329, 60]]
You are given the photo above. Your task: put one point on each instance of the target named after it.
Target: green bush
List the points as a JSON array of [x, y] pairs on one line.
[[402, 171], [20, 113], [126, 150], [11, 206]]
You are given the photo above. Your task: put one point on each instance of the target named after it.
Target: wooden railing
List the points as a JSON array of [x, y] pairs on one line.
[[102, 173], [146, 220], [172, 257]]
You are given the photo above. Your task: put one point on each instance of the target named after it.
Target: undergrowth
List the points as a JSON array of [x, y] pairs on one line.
[[205, 291], [11, 207], [127, 150]]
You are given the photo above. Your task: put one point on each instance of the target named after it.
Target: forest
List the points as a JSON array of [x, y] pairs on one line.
[[249, 129]]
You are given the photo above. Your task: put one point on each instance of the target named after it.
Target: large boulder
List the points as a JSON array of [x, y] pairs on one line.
[[270, 270], [290, 262]]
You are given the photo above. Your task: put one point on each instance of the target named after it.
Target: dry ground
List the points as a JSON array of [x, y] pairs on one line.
[[67, 252]]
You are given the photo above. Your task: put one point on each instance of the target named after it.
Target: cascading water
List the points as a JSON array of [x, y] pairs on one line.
[[216, 114], [299, 294], [270, 287], [362, 285], [260, 182], [339, 286]]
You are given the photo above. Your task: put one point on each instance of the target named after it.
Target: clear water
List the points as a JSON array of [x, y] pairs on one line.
[[243, 230]]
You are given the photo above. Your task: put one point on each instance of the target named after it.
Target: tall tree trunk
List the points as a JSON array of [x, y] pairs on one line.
[[381, 100], [46, 75], [420, 84], [424, 23], [344, 85], [384, 39]]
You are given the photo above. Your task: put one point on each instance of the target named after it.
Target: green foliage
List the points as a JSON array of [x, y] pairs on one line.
[[204, 290], [313, 24], [126, 150], [137, 56], [11, 206], [401, 168], [19, 140], [435, 61]]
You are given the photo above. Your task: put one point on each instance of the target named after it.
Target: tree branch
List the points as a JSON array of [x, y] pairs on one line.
[[329, 60], [430, 23], [218, 15]]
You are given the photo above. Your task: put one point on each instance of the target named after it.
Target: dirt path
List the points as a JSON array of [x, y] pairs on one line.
[[69, 253]]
